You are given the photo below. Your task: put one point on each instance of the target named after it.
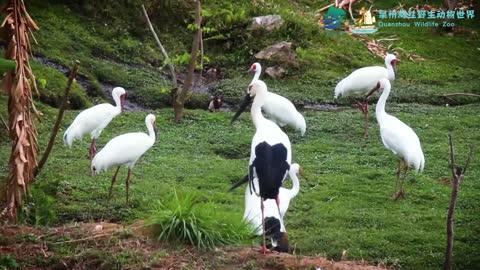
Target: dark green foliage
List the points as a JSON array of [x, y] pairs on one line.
[[40, 208], [184, 219], [8, 262]]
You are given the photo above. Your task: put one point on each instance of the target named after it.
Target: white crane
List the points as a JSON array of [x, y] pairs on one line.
[[274, 226], [125, 150], [93, 120], [270, 155], [399, 138], [277, 108], [365, 79]]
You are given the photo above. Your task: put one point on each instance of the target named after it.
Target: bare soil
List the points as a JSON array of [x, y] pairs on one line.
[[98, 245]]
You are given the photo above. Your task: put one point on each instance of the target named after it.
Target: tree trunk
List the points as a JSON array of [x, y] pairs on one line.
[[56, 127], [450, 4], [180, 97], [18, 85]]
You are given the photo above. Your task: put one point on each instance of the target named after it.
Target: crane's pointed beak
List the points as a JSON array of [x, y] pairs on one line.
[[395, 62], [243, 106], [155, 130], [122, 100]]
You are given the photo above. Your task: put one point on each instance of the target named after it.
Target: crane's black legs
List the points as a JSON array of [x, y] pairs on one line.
[[114, 178], [264, 246], [93, 150], [127, 182]]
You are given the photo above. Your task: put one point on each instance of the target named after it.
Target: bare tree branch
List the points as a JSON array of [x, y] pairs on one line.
[[452, 155], [4, 123], [162, 49], [61, 111], [201, 51], [181, 96], [457, 175]]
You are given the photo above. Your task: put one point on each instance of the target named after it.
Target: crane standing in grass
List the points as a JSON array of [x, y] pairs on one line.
[[399, 138], [277, 108], [274, 221], [270, 155], [93, 120], [125, 150], [364, 80]]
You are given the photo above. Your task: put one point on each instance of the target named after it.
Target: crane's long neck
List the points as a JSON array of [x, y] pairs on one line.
[[256, 110], [296, 184], [390, 70], [118, 104], [152, 133], [380, 109], [258, 70]]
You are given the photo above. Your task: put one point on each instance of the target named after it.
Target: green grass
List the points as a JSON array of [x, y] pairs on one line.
[[345, 205], [183, 219]]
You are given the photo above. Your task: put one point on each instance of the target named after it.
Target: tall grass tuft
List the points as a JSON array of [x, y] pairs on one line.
[[182, 218]]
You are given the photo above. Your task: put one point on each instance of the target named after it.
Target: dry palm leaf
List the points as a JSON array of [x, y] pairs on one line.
[[18, 85]]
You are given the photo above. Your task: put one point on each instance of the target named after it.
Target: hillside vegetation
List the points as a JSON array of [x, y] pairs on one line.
[[344, 209]]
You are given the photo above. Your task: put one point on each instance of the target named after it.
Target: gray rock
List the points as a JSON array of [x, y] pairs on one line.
[[275, 72], [268, 22], [283, 52]]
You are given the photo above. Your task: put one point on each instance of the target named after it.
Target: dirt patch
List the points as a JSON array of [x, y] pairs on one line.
[[106, 245]]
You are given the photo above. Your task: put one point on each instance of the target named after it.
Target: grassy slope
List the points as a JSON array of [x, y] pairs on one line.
[[344, 205], [112, 55]]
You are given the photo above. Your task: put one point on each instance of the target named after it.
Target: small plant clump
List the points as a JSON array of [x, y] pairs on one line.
[[182, 218]]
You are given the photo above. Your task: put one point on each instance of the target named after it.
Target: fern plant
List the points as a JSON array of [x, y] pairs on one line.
[[185, 220]]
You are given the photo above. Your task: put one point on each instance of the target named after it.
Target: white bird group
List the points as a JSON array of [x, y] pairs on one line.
[[266, 201], [366, 79], [396, 135], [125, 149], [277, 108]]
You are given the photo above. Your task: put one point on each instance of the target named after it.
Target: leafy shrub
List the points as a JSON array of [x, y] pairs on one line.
[[40, 208], [204, 225], [8, 262]]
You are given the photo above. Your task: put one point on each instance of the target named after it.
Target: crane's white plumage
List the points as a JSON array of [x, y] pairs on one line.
[[266, 130], [365, 79], [398, 136], [278, 108], [252, 212], [125, 150], [93, 120], [270, 160]]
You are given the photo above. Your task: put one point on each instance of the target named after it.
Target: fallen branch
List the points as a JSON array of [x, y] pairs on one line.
[[460, 94], [83, 239], [325, 7], [162, 49], [61, 111]]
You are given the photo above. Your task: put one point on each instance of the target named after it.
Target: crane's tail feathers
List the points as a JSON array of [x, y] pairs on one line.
[[239, 183]]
